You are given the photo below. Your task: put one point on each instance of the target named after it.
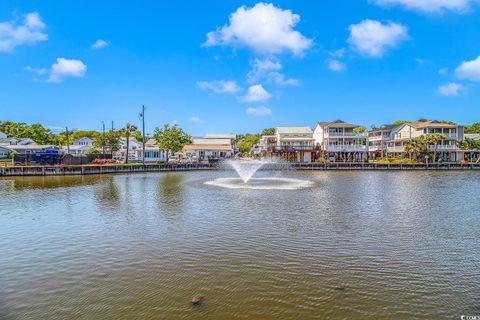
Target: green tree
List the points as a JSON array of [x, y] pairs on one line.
[[360, 129], [469, 144], [414, 147], [433, 141], [171, 139], [111, 141], [268, 132], [400, 122], [247, 141], [473, 128]]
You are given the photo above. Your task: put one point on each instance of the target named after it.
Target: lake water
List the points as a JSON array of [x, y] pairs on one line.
[[401, 245]]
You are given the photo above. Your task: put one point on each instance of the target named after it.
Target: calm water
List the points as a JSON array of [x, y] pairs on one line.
[[404, 245]]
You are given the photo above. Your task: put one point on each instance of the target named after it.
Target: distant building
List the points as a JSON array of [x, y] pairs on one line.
[[85, 141], [4, 152], [16, 141], [339, 141], [3, 135], [26, 149], [212, 147]]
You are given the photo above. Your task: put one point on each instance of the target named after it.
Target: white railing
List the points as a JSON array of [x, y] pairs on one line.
[[345, 148], [443, 148], [346, 135], [396, 149], [378, 138], [376, 148]]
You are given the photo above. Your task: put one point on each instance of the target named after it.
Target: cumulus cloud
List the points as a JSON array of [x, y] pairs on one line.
[[469, 70], [27, 32], [451, 89], [100, 44], [268, 70], [428, 6], [219, 86], [336, 65], [66, 68], [257, 93], [264, 28], [195, 119], [259, 112], [373, 38]]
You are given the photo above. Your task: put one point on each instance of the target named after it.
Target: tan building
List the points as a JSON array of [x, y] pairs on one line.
[[389, 140]]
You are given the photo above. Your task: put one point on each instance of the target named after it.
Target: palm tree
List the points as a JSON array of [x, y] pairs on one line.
[[413, 147], [128, 130], [433, 140]]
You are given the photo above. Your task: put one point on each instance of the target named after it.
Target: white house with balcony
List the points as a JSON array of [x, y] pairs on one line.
[[340, 141], [294, 144], [389, 140]]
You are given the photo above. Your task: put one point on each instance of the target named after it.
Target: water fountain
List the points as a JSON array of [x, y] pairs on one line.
[[246, 170]]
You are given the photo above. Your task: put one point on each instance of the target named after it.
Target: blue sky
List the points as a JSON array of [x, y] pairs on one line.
[[238, 66]]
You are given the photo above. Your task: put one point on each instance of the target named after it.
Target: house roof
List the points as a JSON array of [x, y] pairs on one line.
[[29, 146], [337, 124], [431, 124], [207, 147], [294, 130], [221, 136], [211, 141], [384, 127]]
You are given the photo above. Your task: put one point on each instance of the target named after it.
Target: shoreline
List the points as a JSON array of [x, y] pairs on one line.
[[135, 168]]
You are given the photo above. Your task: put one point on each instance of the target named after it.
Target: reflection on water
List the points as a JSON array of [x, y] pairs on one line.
[[400, 245]]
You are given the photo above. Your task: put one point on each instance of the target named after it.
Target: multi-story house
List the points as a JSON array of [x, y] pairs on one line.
[[446, 150], [378, 139], [340, 141], [293, 144]]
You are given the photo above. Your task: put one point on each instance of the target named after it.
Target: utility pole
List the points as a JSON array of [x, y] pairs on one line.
[[68, 142], [142, 115], [112, 126], [103, 139]]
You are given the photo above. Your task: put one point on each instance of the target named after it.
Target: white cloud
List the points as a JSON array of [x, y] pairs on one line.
[[268, 70], [257, 93], [195, 119], [259, 112], [372, 38], [336, 65], [38, 71], [66, 68], [443, 71], [279, 78], [428, 6], [264, 28], [337, 53], [30, 31], [219, 86], [451, 89], [100, 44], [469, 70], [261, 69]]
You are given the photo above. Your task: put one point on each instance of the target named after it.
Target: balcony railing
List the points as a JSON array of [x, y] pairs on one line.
[[291, 148], [378, 138], [345, 148], [346, 135], [443, 148]]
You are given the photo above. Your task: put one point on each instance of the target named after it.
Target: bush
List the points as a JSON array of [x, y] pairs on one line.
[[160, 162]]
